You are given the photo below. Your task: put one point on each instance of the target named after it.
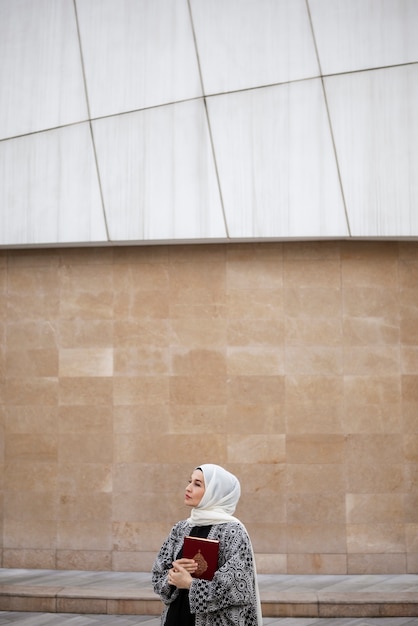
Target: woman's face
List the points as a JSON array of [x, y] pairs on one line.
[[195, 489]]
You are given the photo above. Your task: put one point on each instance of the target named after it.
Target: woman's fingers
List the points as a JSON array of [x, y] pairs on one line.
[[189, 564], [179, 576]]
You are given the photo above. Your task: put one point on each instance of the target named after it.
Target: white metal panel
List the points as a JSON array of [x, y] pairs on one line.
[[49, 191], [251, 43], [40, 66], [362, 34], [137, 54], [374, 117], [158, 175], [276, 164]]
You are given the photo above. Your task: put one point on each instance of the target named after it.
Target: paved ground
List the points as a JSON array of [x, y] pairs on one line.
[[60, 619]]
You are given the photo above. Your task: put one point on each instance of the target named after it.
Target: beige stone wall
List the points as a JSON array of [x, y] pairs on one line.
[[295, 365]]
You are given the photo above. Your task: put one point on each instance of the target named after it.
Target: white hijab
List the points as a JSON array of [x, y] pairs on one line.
[[222, 492]]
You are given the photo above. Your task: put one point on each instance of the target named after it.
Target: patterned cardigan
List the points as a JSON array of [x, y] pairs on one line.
[[228, 599]]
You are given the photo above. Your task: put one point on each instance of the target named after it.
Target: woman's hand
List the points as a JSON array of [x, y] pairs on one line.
[[189, 565], [179, 576]]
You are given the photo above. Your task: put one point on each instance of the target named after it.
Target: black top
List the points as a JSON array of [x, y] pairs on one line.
[[179, 611]]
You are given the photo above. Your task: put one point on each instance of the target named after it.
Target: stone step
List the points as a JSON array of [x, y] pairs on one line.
[[119, 593]]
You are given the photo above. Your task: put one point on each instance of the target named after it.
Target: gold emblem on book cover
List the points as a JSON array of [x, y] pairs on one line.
[[202, 565]]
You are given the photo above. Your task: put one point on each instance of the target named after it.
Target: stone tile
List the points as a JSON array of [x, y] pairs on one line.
[[255, 389], [30, 419], [316, 563], [270, 536], [317, 508], [375, 538], [328, 478], [314, 448], [325, 273], [376, 563], [313, 360], [313, 331], [76, 333], [86, 362], [135, 607], [30, 506], [271, 563], [28, 599], [319, 302], [42, 533], [30, 475], [268, 449], [365, 477], [79, 478], [89, 390], [81, 605], [316, 538], [76, 447], [31, 391], [264, 303], [84, 560], [91, 535], [29, 558], [140, 390], [31, 447], [375, 508], [42, 363]]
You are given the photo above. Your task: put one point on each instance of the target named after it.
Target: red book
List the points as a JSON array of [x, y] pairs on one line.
[[205, 552]]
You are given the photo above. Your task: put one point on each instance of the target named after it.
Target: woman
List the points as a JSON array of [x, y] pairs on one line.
[[231, 597]]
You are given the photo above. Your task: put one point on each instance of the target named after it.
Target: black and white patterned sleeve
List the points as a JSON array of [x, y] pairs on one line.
[[164, 562], [233, 584]]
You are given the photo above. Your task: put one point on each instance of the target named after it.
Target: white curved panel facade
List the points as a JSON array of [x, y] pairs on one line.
[[42, 172], [137, 54], [41, 74], [276, 163], [354, 35], [182, 120], [159, 159], [374, 116], [243, 44]]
